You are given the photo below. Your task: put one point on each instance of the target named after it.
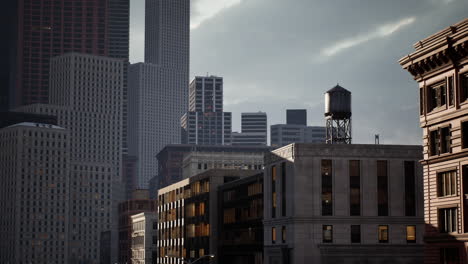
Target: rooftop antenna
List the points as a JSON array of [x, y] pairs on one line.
[[377, 139]]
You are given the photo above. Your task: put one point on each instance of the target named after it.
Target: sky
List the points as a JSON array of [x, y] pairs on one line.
[[285, 54]]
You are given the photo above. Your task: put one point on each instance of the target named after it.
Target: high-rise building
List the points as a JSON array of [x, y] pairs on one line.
[[11, 118], [50, 28], [284, 134], [8, 51], [86, 97], [205, 123], [343, 203], [34, 193], [188, 216], [440, 66], [253, 130], [158, 88], [296, 117]]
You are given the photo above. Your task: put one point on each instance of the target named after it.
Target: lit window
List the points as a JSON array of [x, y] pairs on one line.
[[383, 234], [273, 235], [411, 234]]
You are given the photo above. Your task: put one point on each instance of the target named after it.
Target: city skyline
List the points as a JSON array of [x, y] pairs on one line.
[[236, 39]]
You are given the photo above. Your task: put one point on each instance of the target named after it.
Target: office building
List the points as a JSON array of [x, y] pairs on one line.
[[284, 134], [296, 117], [440, 66], [144, 237], [46, 29], [8, 51], [171, 159], [188, 216], [138, 203], [205, 123], [253, 130], [342, 203], [198, 161], [34, 185], [240, 239], [158, 88], [86, 98], [11, 118]]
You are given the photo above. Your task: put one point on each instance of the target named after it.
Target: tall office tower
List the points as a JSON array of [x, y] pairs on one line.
[[440, 66], [296, 117], [205, 123], [34, 182], [8, 49], [50, 28], [158, 88], [254, 130], [86, 97]]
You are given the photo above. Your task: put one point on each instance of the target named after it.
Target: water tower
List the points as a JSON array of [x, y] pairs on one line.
[[338, 115]]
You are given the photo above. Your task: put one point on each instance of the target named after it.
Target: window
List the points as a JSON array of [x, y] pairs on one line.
[[437, 96], [448, 220], [355, 234], [463, 87], [273, 235], [439, 141], [273, 191], [447, 183], [283, 234], [449, 256], [383, 233], [354, 188], [410, 188], [464, 131], [451, 91], [382, 188], [445, 140], [434, 142], [283, 189], [327, 233], [421, 101], [327, 187], [411, 234]]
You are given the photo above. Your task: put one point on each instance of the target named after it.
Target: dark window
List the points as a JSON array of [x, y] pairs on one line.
[[382, 188], [410, 188], [448, 220], [464, 87], [327, 234], [411, 234], [273, 191], [355, 234], [434, 142], [464, 131], [450, 256], [447, 183], [421, 101], [283, 234], [283, 189], [327, 188], [451, 91], [383, 233], [437, 96], [445, 140], [354, 188]]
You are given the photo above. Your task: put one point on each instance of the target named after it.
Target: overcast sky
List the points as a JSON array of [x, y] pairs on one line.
[[280, 54]]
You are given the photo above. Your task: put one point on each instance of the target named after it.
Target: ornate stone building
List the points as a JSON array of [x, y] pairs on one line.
[[440, 66]]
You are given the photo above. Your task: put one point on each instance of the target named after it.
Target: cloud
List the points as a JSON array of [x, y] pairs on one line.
[[205, 9], [380, 32]]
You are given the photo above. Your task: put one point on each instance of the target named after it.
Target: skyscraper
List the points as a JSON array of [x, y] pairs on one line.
[[34, 184], [296, 117], [205, 123], [50, 28], [8, 50], [86, 97], [158, 88], [254, 130]]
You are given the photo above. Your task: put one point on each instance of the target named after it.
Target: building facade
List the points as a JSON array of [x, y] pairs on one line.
[[46, 29], [188, 216], [144, 238], [296, 117], [340, 203], [253, 130], [240, 239], [199, 161], [205, 123], [139, 203], [11, 118], [34, 201], [284, 134], [440, 66], [86, 92]]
